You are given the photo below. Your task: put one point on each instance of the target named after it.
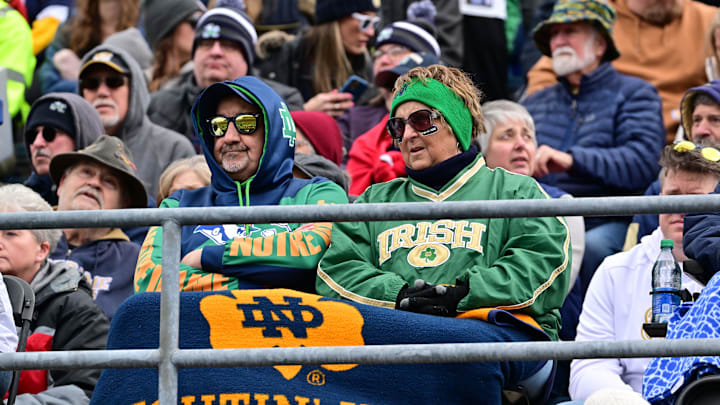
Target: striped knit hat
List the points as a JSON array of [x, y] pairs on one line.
[[415, 35], [230, 24]]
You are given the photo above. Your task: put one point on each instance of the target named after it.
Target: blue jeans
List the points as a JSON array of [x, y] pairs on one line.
[[502, 374], [5, 379]]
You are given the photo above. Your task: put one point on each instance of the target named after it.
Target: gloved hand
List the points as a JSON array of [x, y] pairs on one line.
[[389, 166], [426, 298]]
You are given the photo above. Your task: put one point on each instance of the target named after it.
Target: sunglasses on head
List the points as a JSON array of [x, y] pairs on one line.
[[48, 134], [193, 19], [707, 152], [420, 120], [365, 20], [245, 123], [93, 83]]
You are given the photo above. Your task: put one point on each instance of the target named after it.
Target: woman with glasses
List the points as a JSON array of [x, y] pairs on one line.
[[491, 269], [170, 32], [393, 45], [94, 21], [320, 60]]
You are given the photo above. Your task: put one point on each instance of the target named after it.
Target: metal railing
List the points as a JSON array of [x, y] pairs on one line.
[[168, 358]]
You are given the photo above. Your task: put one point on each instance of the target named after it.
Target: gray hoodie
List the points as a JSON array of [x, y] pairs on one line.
[[153, 147], [88, 128]]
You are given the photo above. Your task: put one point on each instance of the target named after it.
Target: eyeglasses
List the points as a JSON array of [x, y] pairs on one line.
[[48, 134], [365, 20], [93, 83], [393, 52], [245, 123], [420, 120], [707, 152]]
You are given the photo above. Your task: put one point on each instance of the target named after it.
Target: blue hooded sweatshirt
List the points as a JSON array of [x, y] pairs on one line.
[[242, 256]]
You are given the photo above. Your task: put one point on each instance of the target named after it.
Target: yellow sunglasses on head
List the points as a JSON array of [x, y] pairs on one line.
[[707, 152]]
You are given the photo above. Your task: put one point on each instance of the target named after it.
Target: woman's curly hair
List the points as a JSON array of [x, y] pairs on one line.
[[455, 80]]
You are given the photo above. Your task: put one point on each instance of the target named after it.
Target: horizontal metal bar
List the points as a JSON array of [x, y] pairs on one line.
[[446, 353], [596, 206], [136, 358], [376, 354]]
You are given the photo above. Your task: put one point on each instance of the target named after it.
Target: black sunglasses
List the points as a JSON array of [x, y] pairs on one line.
[[245, 123], [93, 83], [420, 120], [48, 134]]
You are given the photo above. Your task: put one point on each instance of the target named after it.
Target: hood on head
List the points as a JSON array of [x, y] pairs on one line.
[[711, 89], [86, 120], [139, 97], [275, 167]]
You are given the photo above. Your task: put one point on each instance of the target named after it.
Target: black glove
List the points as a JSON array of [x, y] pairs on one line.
[[426, 298]]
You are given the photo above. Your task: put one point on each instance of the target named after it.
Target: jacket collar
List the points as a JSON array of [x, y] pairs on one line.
[[591, 81]]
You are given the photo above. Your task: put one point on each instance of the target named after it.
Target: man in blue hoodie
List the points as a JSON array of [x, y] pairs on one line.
[[248, 138]]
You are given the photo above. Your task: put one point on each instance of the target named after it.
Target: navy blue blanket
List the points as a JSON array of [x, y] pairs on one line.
[[285, 318]]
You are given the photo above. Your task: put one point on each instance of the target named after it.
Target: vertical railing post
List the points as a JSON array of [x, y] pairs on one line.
[[169, 312]]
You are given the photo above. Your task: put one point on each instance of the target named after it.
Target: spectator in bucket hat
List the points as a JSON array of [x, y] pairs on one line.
[[101, 176], [599, 132], [598, 13]]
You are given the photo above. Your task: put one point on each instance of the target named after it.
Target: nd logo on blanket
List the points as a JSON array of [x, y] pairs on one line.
[[281, 318]]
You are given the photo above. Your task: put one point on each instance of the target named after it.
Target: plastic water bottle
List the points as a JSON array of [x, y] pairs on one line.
[[666, 283]]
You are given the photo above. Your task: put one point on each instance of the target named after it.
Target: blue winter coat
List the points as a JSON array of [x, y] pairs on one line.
[[612, 127], [701, 237]]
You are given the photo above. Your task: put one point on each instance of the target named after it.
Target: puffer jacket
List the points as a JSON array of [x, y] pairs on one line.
[[612, 127]]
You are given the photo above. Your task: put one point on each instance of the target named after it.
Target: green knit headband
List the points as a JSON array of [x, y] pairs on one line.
[[438, 96]]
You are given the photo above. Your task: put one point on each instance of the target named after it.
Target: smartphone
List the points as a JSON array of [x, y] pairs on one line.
[[355, 85]]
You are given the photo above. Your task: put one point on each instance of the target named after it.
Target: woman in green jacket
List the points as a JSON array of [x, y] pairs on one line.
[[508, 272]]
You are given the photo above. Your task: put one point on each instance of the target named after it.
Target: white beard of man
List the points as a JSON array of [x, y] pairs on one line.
[[108, 122], [565, 60]]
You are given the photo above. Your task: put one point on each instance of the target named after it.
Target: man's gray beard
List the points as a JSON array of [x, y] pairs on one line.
[[233, 166], [110, 122], [565, 64]]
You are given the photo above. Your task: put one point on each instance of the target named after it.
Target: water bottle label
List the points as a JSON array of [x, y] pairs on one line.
[[663, 306]]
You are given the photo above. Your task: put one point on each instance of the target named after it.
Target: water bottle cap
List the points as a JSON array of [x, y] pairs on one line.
[[666, 243]]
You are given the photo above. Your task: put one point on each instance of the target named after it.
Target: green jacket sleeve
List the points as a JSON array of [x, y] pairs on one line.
[[148, 270], [537, 251], [347, 270], [17, 57], [301, 248]]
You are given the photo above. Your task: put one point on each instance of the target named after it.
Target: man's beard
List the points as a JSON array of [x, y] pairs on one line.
[[108, 122], [565, 60], [237, 164], [662, 12]]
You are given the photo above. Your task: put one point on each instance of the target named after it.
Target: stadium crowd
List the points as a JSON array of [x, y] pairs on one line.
[[116, 104]]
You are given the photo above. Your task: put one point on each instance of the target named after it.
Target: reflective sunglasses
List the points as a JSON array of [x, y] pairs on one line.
[[365, 20], [48, 134], [707, 152], [93, 83], [420, 120], [245, 123]]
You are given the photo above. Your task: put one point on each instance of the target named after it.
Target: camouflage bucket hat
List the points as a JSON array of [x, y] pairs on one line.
[[595, 12]]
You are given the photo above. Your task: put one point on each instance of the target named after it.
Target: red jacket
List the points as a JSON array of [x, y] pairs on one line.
[[370, 160]]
